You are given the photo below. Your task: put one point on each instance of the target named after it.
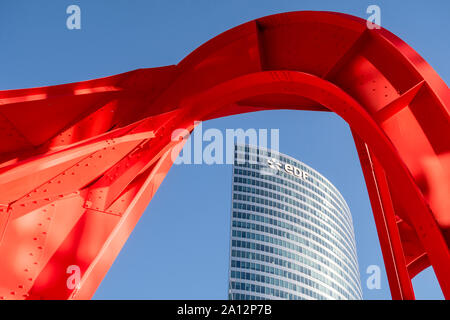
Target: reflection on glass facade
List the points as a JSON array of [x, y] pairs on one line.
[[291, 232]]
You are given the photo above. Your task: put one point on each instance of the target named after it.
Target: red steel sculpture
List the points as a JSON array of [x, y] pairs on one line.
[[80, 162]]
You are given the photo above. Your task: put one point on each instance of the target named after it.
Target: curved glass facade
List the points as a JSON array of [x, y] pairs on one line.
[[291, 232]]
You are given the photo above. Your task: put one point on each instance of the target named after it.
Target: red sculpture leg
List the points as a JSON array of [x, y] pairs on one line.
[[385, 220]]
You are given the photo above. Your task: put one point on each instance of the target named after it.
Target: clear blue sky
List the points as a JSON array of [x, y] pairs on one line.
[[179, 249]]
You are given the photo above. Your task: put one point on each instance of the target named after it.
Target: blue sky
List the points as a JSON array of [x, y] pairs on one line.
[[179, 249]]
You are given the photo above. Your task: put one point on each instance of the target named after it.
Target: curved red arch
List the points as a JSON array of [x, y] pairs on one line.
[[79, 170]]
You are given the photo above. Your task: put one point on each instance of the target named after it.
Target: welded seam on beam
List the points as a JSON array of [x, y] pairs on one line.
[[398, 104], [350, 53]]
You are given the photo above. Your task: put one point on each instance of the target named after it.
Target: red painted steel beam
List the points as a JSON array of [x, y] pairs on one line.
[[79, 169], [385, 221]]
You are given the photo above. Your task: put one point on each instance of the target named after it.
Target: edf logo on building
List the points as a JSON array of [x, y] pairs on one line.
[[274, 164]]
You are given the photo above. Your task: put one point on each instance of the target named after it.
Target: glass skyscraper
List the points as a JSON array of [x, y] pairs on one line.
[[292, 233]]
